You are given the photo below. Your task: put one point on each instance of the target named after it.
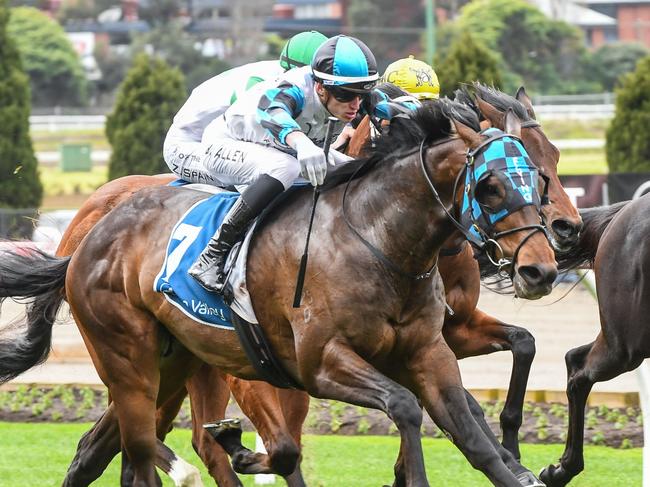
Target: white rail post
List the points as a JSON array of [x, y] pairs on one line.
[[262, 478]]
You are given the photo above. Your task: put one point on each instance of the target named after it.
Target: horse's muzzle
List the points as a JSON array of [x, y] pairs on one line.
[[535, 280]]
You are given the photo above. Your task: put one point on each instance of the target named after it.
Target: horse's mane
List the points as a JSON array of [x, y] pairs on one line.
[[430, 123], [498, 99], [594, 221]]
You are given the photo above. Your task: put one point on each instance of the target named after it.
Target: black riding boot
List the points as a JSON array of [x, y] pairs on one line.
[[208, 269]]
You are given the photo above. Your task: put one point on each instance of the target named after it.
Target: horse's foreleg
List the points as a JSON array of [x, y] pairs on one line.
[[436, 379], [525, 476], [209, 396], [482, 334], [295, 407], [340, 374], [586, 365], [578, 387]]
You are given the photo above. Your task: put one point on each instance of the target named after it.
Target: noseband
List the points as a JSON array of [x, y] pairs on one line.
[[484, 239]]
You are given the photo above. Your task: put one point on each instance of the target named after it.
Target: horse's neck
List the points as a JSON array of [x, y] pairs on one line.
[[393, 208]]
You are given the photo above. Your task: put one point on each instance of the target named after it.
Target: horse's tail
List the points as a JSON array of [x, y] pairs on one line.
[[594, 223], [39, 279]]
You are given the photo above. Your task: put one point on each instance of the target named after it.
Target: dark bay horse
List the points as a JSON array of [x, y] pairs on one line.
[[468, 331], [380, 346], [615, 242]]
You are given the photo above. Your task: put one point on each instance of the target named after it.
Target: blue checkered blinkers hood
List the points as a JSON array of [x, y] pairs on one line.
[[506, 159]]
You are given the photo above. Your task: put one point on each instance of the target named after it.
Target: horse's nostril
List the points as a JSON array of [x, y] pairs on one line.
[[565, 228], [537, 275]]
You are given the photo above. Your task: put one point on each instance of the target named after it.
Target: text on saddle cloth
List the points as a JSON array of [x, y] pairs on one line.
[[188, 238]]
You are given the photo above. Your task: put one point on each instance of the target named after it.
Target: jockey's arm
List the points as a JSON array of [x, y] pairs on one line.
[[277, 110]]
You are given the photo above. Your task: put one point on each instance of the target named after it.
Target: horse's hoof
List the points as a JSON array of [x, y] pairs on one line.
[[527, 479], [218, 427], [249, 462], [552, 476]]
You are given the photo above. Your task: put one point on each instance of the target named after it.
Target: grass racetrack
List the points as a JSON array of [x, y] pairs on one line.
[[38, 454]]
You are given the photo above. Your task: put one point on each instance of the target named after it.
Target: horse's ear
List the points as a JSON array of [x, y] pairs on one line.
[[492, 114], [471, 138], [523, 98], [512, 124]]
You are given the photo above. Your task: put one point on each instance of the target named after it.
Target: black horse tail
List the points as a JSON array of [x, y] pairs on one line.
[[39, 279], [594, 223]]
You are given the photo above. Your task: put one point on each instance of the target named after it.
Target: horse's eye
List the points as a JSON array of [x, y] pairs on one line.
[[489, 193]]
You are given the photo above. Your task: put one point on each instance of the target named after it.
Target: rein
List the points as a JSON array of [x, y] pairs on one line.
[[483, 242], [374, 250]]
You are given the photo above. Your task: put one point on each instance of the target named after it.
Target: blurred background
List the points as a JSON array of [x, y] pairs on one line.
[[92, 71]]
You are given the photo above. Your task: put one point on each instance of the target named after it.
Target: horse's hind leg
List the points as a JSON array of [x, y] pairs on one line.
[[265, 406], [95, 451], [209, 396], [176, 366], [182, 473], [482, 334], [127, 351]]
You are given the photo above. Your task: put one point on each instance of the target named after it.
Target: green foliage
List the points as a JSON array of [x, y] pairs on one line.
[[546, 55], [628, 144], [20, 186], [611, 61], [54, 68], [146, 103], [171, 43], [466, 61]]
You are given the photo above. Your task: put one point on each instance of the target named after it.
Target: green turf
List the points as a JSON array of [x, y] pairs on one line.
[[38, 454], [45, 141], [583, 161], [575, 128]]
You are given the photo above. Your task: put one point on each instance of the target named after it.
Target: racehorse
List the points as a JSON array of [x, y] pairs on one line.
[[468, 331], [615, 243], [379, 346]]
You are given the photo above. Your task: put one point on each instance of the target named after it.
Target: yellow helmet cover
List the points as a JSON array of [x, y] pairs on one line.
[[416, 77]]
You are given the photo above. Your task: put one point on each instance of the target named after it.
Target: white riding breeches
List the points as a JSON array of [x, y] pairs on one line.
[[221, 160]]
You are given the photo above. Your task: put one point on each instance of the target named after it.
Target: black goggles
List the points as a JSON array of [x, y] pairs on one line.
[[344, 95]]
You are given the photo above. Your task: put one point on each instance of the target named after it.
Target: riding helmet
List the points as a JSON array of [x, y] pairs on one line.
[[299, 49], [345, 62]]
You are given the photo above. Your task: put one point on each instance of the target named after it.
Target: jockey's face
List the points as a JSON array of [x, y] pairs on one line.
[[343, 110]]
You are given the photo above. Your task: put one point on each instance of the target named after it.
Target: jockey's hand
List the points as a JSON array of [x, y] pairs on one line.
[[313, 165], [343, 137]]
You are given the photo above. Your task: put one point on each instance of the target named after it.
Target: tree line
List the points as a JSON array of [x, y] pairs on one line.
[[153, 90]]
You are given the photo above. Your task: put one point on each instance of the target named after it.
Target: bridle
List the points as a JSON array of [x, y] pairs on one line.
[[482, 238]]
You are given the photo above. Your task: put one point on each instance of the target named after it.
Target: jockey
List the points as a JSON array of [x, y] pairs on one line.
[[274, 134], [415, 77], [182, 149]]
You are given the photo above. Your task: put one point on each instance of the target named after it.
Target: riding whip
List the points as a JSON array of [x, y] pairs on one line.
[[300, 280]]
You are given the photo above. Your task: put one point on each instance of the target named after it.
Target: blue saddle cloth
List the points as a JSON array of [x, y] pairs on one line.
[[188, 239]]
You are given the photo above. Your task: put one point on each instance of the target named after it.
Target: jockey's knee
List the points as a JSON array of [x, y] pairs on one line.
[[287, 171]]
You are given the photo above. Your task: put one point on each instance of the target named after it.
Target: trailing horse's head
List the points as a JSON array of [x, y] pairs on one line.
[[498, 197], [560, 216]]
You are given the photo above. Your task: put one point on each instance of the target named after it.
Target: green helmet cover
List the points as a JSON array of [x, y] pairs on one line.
[[300, 48]]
